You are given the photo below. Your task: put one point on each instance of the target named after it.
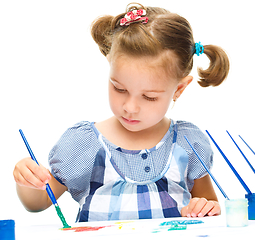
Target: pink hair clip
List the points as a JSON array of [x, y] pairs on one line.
[[134, 16]]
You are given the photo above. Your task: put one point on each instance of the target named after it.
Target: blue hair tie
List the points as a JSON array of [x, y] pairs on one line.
[[199, 48]]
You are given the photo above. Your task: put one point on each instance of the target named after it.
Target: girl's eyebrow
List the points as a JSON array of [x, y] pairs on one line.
[[114, 80]]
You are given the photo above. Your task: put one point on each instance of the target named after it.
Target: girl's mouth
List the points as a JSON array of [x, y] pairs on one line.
[[130, 121]]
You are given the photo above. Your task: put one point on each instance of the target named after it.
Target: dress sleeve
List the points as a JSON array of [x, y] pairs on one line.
[[72, 158], [201, 144]]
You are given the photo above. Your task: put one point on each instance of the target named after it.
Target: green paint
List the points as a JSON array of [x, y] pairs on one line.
[[169, 228], [185, 222], [177, 227], [61, 216]]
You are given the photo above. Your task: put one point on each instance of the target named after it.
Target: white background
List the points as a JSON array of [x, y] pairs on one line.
[[52, 75]]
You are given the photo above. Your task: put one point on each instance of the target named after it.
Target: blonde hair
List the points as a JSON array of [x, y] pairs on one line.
[[165, 31]]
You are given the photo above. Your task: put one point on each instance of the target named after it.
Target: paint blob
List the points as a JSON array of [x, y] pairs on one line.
[[84, 229]]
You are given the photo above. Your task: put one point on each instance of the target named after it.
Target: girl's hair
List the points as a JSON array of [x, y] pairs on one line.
[[165, 32]]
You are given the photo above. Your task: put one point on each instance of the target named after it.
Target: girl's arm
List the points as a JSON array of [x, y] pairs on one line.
[[204, 200], [31, 182]]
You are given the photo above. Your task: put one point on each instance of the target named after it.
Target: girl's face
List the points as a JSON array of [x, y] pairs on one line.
[[140, 93]]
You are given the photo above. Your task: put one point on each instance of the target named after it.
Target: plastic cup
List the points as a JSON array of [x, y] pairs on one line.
[[236, 212], [7, 230], [251, 206]]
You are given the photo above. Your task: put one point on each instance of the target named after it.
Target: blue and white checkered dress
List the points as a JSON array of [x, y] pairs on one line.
[[111, 183]]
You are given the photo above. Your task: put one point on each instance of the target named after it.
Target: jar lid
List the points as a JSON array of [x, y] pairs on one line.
[[7, 224]]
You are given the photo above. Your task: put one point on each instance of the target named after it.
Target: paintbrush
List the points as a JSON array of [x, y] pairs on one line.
[[48, 188], [247, 145], [246, 159], [207, 169], [230, 165]]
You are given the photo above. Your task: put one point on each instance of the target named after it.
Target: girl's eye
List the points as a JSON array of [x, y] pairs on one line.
[[119, 90], [149, 98]]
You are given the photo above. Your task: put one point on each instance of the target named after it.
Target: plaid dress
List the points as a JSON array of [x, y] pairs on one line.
[[111, 183]]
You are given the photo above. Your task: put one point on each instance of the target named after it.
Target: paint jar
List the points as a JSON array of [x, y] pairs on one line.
[[251, 206], [236, 212], [7, 230]]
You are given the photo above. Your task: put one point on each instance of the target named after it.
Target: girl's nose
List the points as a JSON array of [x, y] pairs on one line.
[[131, 105]]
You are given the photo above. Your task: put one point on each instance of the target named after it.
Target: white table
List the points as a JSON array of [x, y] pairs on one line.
[[212, 228]]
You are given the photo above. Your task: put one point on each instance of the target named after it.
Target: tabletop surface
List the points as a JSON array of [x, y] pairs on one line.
[[211, 228]]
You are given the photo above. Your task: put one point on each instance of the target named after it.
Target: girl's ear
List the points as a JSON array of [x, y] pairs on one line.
[[181, 86]]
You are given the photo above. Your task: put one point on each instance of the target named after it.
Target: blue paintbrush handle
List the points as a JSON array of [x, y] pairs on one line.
[[51, 194], [230, 165], [247, 145], [207, 169], [48, 188], [28, 147], [246, 159]]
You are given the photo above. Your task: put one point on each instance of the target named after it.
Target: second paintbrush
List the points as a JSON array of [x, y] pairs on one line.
[[48, 188]]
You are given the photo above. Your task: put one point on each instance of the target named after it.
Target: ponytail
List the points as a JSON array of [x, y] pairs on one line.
[[218, 68]]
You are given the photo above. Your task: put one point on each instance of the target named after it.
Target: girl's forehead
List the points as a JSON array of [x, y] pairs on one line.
[[139, 63], [143, 60], [141, 74], [154, 66]]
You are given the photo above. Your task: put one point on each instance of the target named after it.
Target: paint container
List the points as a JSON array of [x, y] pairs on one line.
[[7, 230], [236, 212], [251, 206]]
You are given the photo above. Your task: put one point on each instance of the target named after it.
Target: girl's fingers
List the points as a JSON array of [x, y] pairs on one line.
[[186, 211], [29, 182], [29, 179], [40, 172], [216, 210], [200, 207], [28, 173], [33, 178], [206, 209]]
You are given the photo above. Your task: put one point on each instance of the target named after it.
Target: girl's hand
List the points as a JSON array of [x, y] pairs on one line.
[[27, 173], [200, 207]]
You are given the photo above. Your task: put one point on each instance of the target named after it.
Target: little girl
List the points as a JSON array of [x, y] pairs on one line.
[[136, 164]]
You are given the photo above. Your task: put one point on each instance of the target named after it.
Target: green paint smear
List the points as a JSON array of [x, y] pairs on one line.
[[170, 228], [61, 216]]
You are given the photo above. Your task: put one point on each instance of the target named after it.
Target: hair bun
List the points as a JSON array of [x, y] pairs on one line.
[[101, 32]]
